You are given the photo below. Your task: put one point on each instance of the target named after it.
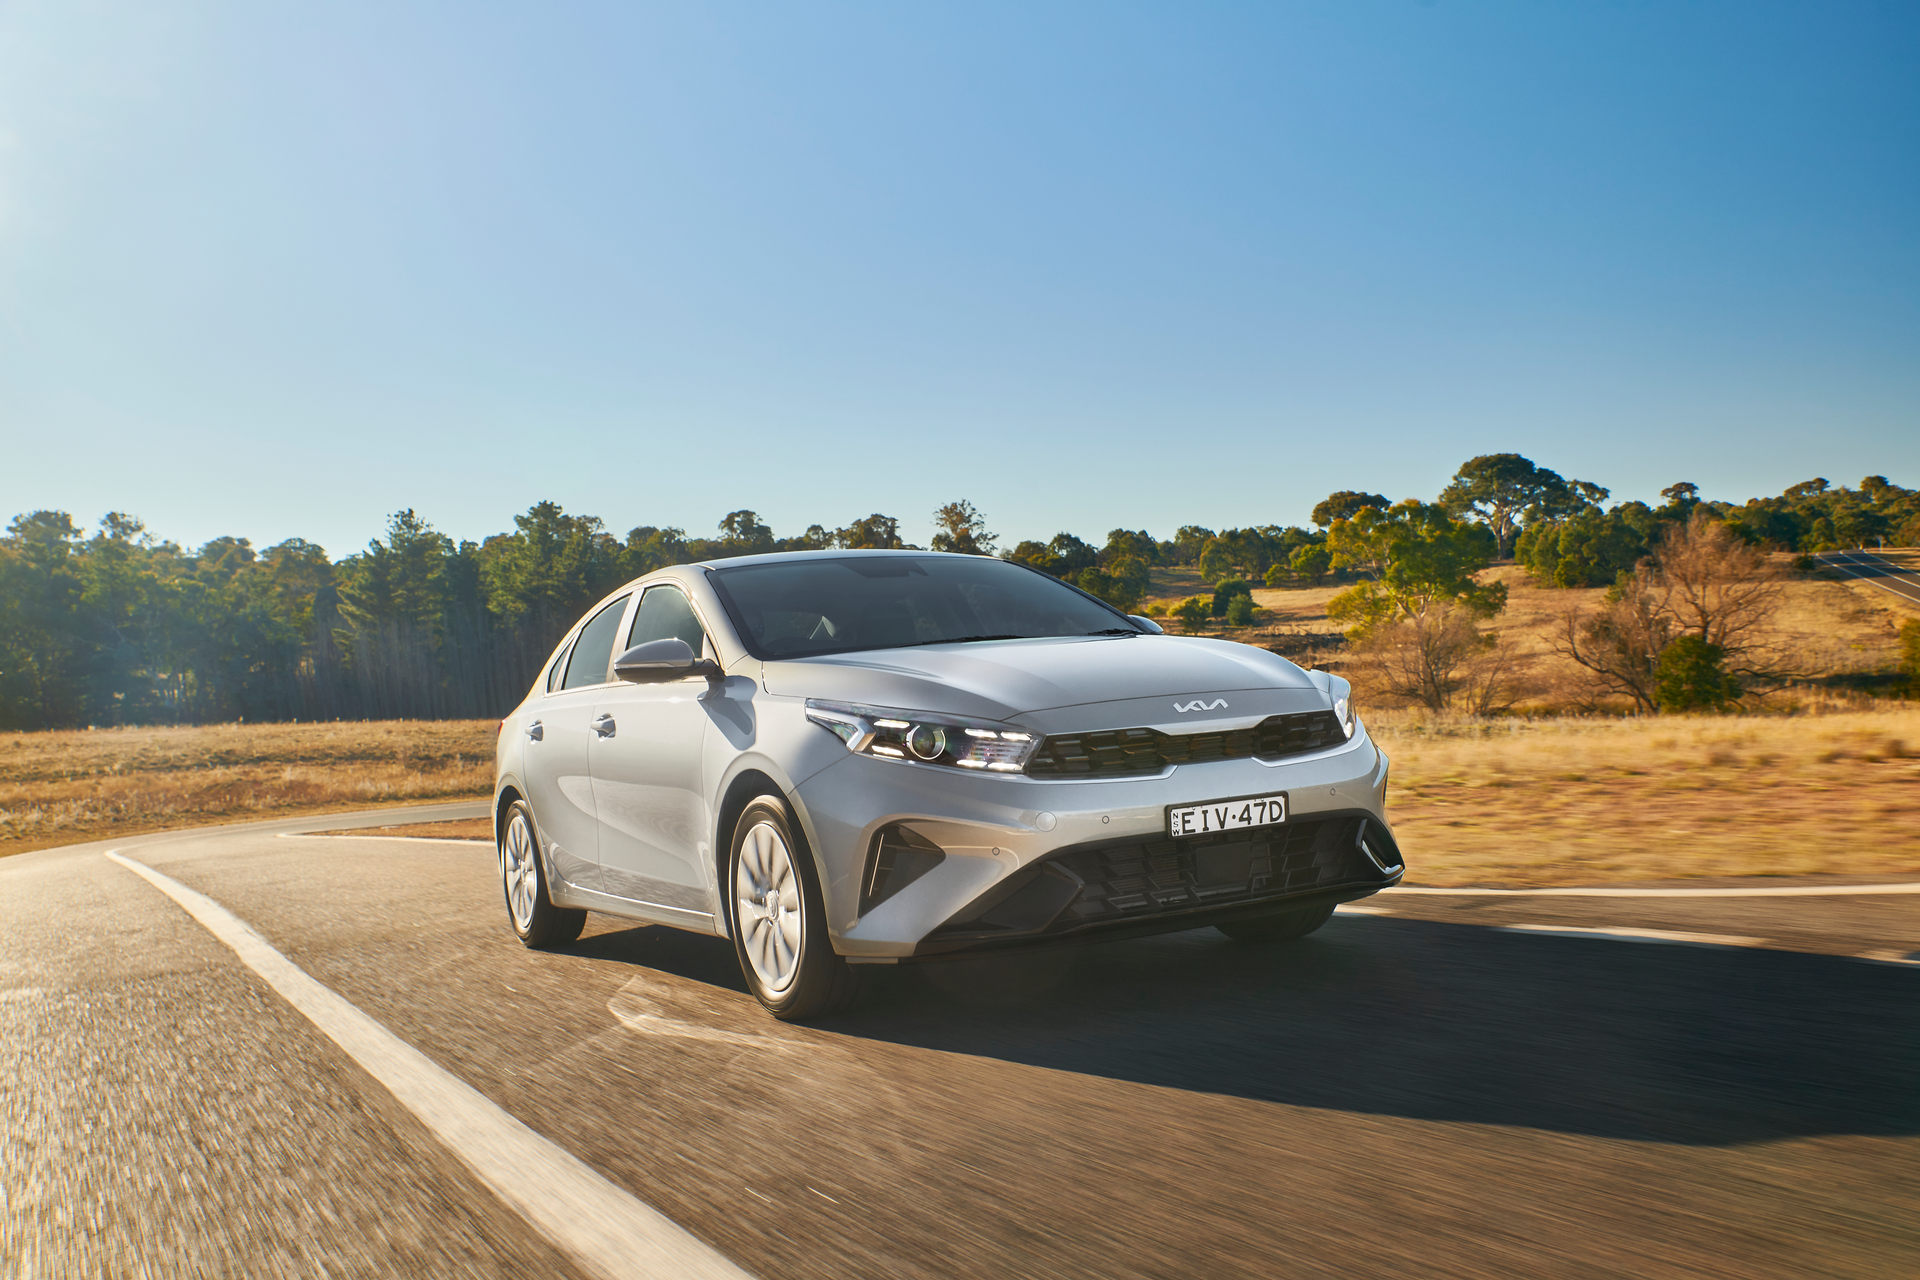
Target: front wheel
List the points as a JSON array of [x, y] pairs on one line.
[[779, 920], [524, 880], [1284, 926]]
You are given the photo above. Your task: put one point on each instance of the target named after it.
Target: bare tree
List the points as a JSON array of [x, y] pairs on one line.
[[1440, 659], [1700, 581]]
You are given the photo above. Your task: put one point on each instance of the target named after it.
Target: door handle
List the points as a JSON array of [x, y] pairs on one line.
[[536, 731], [603, 725]]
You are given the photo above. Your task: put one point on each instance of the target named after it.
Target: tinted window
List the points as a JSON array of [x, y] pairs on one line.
[[554, 672], [801, 607], [593, 651], [665, 614]]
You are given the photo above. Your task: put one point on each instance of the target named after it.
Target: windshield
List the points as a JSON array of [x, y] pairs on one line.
[[801, 608]]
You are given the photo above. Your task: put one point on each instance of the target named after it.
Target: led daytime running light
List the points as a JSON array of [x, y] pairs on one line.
[[935, 740]]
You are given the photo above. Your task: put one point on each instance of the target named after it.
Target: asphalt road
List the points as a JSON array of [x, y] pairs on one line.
[[1875, 571], [1427, 1092]]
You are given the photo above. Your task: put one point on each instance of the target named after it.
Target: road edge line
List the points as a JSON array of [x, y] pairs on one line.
[[600, 1226], [1595, 891]]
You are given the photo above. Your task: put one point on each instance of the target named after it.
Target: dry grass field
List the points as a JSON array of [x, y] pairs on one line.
[[1567, 800], [70, 786], [1513, 802]]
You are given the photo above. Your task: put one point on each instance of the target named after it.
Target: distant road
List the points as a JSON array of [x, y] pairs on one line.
[[1444, 1085], [1875, 571]]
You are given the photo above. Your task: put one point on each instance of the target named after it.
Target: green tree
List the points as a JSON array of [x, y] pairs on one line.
[[1189, 540], [553, 565], [647, 548], [1240, 611], [743, 534], [1122, 587], [42, 635], [1312, 561], [1503, 489], [1589, 549], [1137, 543], [1346, 504], [1422, 558], [876, 533], [959, 527]]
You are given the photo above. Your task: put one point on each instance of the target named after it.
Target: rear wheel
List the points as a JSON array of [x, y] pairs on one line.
[[523, 878], [779, 919], [1285, 926]]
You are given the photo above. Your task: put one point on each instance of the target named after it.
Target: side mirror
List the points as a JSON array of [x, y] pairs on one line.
[[659, 661], [1147, 624]]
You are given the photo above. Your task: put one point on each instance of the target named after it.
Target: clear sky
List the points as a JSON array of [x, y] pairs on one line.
[[276, 269]]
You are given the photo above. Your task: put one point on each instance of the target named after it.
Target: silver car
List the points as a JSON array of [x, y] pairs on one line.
[[846, 758]]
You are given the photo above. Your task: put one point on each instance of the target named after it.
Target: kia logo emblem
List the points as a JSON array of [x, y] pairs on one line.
[[1199, 705]]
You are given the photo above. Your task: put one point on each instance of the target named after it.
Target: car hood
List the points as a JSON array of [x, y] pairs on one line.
[[1064, 683]]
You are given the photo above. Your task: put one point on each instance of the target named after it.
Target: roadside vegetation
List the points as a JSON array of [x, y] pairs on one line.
[[120, 627], [1573, 692], [70, 786], [1511, 801]]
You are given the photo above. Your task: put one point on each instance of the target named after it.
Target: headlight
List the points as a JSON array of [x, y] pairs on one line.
[[924, 739], [1342, 694]]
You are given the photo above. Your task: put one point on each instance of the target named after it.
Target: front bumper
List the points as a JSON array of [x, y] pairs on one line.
[[1030, 860]]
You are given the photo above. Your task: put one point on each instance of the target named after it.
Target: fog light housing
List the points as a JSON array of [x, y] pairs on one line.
[[900, 856]]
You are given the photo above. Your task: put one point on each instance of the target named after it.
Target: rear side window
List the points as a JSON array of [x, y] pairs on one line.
[[557, 670], [593, 651], [664, 614]]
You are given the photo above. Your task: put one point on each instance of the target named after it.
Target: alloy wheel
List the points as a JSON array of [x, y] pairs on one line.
[[766, 895], [518, 868]]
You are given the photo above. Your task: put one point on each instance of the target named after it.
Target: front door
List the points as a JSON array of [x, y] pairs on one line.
[[647, 755], [558, 769]]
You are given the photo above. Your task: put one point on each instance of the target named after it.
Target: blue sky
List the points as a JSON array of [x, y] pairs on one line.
[[273, 269]]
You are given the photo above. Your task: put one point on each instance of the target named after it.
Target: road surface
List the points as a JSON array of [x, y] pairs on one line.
[[1448, 1085], [1876, 571]]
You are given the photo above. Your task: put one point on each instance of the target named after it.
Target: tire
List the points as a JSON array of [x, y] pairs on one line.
[[1282, 926], [523, 883], [779, 919]]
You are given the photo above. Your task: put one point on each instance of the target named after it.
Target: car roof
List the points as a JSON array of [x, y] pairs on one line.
[[785, 557]]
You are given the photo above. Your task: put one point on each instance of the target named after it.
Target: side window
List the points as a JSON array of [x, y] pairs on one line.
[[593, 651], [665, 614], [557, 670]]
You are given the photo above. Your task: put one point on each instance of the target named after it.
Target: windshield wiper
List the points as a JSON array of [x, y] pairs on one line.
[[1114, 631], [959, 640]]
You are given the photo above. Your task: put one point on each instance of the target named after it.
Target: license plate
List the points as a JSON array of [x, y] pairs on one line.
[[1226, 815]]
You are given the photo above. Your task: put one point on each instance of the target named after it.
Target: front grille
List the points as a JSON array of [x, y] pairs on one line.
[[1115, 753]]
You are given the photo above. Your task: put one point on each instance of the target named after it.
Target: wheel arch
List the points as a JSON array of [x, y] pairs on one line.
[[751, 781], [508, 792]]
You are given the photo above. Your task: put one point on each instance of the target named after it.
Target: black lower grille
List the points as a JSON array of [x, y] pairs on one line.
[[1125, 880], [1117, 752], [1143, 877]]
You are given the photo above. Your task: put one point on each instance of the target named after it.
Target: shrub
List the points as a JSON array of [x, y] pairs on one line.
[[1224, 593], [1910, 654], [1240, 611], [1193, 611], [1692, 676]]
